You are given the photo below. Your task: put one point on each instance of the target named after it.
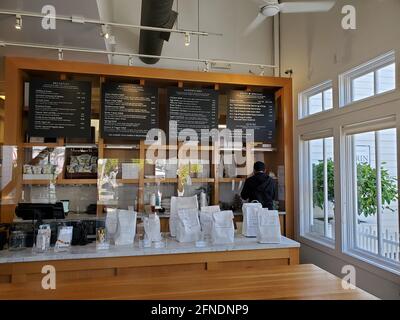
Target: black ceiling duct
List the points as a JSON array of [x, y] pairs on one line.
[[155, 13]]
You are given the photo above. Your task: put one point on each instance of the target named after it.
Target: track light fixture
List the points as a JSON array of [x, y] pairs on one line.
[[18, 22], [105, 31], [60, 54], [130, 61], [207, 66], [262, 72], [187, 39]]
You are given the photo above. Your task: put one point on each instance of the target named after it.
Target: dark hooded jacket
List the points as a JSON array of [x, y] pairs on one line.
[[260, 187]]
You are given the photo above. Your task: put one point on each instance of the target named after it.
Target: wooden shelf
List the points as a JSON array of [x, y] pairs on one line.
[[128, 181], [61, 182], [161, 180], [202, 180], [77, 181], [39, 144], [229, 180]]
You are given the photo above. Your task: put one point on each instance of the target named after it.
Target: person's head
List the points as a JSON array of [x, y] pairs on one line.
[[259, 167]]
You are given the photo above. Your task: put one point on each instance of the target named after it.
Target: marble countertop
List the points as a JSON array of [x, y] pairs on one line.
[[84, 217], [172, 247]]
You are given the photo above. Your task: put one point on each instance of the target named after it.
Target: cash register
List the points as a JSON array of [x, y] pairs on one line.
[[40, 211]]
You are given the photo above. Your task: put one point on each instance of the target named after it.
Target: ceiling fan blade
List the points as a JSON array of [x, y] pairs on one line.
[[255, 23], [307, 6]]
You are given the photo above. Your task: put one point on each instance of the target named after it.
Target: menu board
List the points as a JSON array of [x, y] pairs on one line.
[[59, 108], [128, 110], [194, 109], [252, 110]]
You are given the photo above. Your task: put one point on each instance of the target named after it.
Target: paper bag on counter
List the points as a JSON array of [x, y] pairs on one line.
[[249, 227], [222, 228], [269, 226], [188, 227]]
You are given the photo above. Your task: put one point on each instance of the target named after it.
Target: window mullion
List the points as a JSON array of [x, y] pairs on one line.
[[354, 212], [310, 184], [378, 190], [326, 204]]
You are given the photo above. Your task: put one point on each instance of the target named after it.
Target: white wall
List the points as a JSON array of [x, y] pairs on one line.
[[317, 49]]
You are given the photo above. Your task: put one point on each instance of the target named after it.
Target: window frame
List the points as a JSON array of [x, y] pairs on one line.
[[305, 188], [346, 79], [349, 244], [305, 95]]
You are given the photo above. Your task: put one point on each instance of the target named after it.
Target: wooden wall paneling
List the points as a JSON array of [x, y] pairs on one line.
[[288, 155], [142, 157]]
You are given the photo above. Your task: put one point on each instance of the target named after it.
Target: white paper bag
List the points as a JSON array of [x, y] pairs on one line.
[[178, 203], [206, 219], [188, 227], [111, 224], [249, 227], [269, 226], [126, 229], [222, 228], [152, 228]]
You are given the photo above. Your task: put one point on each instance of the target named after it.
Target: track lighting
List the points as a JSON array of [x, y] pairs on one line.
[[130, 61], [18, 22], [104, 31], [207, 66], [209, 63], [187, 39], [60, 54], [262, 72]]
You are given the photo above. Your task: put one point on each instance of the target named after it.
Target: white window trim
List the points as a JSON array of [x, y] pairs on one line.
[[350, 198], [305, 95], [305, 189], [345, 79]]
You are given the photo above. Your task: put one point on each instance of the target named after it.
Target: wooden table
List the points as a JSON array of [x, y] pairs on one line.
[[275, 282]]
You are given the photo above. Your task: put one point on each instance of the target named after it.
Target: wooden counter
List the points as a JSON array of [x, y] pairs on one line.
[[87, 262], [272, 282]]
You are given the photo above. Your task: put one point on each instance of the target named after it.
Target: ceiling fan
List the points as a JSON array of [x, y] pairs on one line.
[[270, 8]]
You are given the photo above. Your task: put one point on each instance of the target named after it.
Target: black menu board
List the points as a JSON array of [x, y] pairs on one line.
[[193, 108], [59, 108], [128, 110], [252, 110]]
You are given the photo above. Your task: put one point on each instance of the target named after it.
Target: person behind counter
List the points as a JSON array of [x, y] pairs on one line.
[[260, 187]]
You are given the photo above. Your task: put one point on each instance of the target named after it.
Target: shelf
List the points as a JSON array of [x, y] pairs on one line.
[[161, 180], [41, 144], [61, 182], [128, 181], [202, 180], [77, 181], [229, 180]]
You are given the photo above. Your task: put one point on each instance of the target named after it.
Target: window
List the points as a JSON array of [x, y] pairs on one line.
[[317, 188], [316, 99], [375, 77], [372, 210]]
